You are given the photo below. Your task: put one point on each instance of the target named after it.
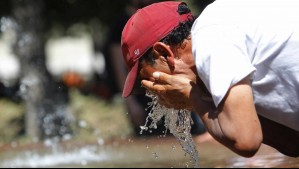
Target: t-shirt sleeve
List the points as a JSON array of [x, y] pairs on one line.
[[221, 58]]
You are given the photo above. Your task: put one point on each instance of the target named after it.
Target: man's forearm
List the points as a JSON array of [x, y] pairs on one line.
[[222, 126]]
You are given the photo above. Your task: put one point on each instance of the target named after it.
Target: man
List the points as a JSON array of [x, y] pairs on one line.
[[238, 68], [116, 67]]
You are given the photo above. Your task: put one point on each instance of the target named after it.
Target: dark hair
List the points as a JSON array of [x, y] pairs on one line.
[[175, 37]]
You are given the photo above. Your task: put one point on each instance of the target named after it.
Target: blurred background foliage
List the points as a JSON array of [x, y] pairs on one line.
[[95, 110]]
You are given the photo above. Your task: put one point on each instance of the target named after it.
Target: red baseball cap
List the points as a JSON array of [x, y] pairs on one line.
[[147, 26]]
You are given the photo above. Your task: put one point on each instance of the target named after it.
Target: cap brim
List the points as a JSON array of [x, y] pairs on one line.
[[130, 83]]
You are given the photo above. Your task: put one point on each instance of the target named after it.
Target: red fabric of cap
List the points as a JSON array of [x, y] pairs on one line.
[[147, 26]]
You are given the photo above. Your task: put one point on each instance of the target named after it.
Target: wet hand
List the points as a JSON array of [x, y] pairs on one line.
[[172, 90]]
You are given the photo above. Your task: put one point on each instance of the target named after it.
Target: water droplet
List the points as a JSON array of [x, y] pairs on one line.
[[143, 128], [174, 147], [155, 155]]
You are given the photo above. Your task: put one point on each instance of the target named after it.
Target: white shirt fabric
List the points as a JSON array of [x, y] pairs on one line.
[[233, 39]]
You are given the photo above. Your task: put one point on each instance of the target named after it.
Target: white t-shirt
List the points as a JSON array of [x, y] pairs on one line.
[[233, 39]]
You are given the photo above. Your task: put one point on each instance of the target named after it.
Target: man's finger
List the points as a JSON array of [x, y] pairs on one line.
[[147, 84], [153, 86], [161, 77]]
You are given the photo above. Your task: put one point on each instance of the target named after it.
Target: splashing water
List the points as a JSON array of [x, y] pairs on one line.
[[178, 122]]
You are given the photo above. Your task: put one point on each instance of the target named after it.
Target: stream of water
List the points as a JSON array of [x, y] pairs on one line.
[[178, 122]]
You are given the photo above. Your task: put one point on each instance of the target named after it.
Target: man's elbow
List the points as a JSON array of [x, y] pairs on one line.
[[248, 147]]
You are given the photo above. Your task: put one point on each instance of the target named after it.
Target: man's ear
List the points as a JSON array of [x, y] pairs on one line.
[[163, 51]]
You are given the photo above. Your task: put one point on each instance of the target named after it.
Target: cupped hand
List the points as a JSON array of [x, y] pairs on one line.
[[173, 90]]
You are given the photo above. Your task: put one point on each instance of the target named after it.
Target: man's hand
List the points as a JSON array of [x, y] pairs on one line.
[[173, 90]]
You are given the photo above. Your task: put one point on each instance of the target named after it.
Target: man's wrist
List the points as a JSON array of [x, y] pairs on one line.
[[200, 100]]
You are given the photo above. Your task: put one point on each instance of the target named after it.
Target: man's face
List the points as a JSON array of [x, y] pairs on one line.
[[145, 73], [183, 65], [147, 69]]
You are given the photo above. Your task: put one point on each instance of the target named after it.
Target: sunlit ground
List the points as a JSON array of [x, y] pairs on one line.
[[103, 138], [134, 153]]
